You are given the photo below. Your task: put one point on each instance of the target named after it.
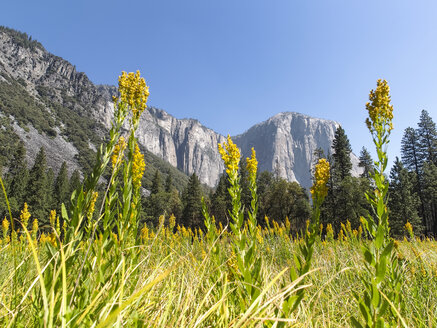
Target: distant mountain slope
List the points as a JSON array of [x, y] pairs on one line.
[[46, 102], [286, 142]]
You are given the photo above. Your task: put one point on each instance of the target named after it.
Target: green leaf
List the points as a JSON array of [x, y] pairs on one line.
[[379, 237], [355, 323]]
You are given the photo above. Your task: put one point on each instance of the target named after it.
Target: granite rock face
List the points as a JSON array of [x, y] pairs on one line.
[[284, 143]]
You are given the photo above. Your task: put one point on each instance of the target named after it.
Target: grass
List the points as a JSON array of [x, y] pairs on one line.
[[177, 282], [110, 272]]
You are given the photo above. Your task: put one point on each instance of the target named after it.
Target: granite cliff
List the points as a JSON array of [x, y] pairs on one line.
[[284, 143]]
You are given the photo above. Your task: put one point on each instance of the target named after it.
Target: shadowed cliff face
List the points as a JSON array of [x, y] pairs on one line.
[[284, 143]]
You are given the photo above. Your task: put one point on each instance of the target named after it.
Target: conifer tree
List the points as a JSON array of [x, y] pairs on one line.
[[192, 197], [366, 162], [342, 165], [38, 189], [403, 201], [156, 183], [51, 189], [412, 160], [221, 201], [427, 134], [17, 179], [169, 182], [430, 196], [62, 187], [410, 151], [75, 183]]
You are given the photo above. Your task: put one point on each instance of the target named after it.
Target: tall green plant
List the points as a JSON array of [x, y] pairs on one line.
[[380, 304]]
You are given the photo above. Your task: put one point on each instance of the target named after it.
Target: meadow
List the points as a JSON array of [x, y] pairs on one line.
[[99, 267]]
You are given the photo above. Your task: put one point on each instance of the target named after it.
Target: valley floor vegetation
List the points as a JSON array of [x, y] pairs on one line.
[[97, 262]]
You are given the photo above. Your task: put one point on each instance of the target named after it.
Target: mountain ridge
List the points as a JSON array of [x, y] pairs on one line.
[[70, 102]]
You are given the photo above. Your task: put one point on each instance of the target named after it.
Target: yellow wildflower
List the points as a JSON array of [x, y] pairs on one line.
[[252, 165], [5, 225], [230, 155], [138, 167], [409, 229], [379, 108], [25, 215], [319, 190], [92, 204], [117, 155], [52, 218], [133, 91]]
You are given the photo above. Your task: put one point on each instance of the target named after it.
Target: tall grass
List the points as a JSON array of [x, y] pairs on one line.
[[102, 269]]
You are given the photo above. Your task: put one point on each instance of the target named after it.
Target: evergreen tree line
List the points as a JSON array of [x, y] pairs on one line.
[[412, 194], [37, 186]]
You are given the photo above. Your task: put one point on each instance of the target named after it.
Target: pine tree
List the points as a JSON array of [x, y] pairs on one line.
[[38, 189], [156, 183], [192, 197], [17, 179], [51, 189], [342, 165], [427, 134], [62, 187], [366, 162], [75, 183], [403, 201], [430, 196], [410, 151], [169, 182], [221, 201]]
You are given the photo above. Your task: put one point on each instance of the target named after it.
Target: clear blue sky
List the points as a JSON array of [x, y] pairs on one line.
[[233, 63]]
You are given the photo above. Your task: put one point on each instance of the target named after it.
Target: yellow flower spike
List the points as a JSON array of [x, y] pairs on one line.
[[172, 222], [52, 218], [379, 108], [319, 190], [138, 167], [92, 204], [161, 220], [409, 229], [117, 155], [133, 91], [5, 225], [230, 155], [252, 165], [25, 215]]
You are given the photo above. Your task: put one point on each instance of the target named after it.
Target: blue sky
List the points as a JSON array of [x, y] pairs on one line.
[[233, 63]]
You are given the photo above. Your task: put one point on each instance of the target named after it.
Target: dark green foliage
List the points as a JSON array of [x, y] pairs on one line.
[[61, 188], [16, 101], [285, 199], [191, 198], [410, 151], [168, 183], [341, 147], [50, 187], [8, 141], [430, 196], [38, 190], [221, 201], [22, 39], [345, 200], [427, 134], [17, 179], [366, 162], [179, 179], [75, 182], [156, 183], [403, 201]]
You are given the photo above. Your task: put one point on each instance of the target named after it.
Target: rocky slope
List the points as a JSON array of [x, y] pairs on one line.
[[284, 143]]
